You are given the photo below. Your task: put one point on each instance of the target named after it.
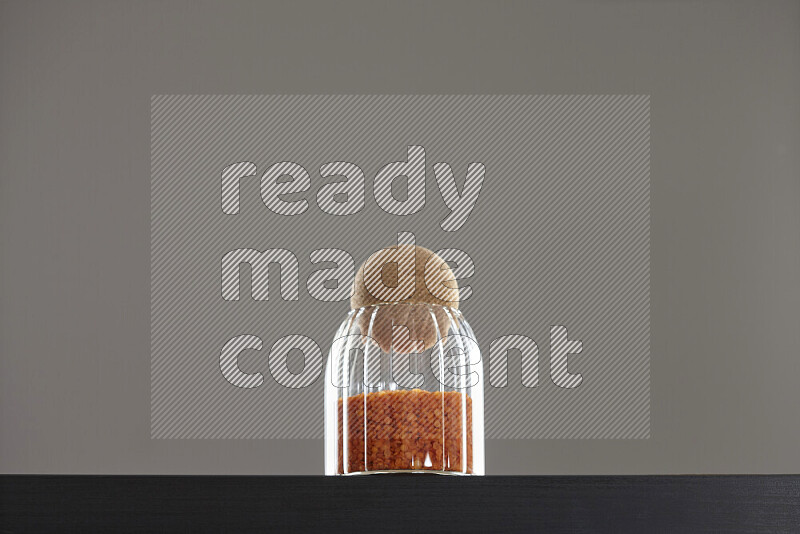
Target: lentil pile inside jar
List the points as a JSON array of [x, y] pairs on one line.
[[406, 430]]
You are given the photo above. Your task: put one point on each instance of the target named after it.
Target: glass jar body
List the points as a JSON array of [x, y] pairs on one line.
[[404, 393]]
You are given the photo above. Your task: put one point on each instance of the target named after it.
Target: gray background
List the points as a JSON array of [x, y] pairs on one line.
[[74, 220]]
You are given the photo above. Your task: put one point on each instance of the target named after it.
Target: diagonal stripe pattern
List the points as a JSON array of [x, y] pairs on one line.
[[559, 235]]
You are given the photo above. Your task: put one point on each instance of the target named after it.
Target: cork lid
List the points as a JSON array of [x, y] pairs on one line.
[[415, 279], [406, 274]]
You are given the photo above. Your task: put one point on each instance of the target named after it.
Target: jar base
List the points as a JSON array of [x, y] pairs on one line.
[[407, 472]]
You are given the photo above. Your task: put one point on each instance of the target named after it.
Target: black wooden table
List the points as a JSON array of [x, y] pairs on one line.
[[400, 503]]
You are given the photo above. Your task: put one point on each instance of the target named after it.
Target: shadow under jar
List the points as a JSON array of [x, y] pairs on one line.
[[404, 393]]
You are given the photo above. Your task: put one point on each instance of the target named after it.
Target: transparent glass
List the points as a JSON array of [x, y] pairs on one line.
[[404, 393]]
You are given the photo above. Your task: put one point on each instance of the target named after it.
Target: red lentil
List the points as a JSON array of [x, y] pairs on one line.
[[407, 430]]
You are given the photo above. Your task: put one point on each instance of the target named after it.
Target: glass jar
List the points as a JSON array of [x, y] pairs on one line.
[[404, 393]]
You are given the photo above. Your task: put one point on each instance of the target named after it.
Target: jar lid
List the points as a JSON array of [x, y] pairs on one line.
[[404, 274]]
